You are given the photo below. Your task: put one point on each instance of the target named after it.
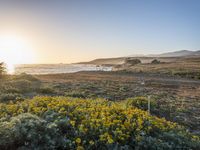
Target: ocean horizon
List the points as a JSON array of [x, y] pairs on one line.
[[57, 68]]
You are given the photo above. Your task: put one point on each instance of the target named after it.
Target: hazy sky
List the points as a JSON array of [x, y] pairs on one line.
[[71, 30]]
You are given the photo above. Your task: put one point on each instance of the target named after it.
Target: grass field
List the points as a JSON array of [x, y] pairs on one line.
[[188, 67], [177, 99]]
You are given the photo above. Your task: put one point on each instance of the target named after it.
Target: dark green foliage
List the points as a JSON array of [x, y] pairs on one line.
[[18, 87], [142, 103], [28, 131], [132, 61], [10, 97], [167, 141], [76, 94], [25, 76], [185, 74], [22, 84], [155, 61], [47, 90], [2, 69]]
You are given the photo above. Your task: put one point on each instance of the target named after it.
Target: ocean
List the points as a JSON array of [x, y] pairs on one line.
[[57, 68]]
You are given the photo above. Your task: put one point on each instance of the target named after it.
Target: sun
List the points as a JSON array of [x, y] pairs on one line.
[[15, 50]]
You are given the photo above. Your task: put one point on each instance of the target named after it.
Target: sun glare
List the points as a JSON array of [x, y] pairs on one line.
[[15, 50]]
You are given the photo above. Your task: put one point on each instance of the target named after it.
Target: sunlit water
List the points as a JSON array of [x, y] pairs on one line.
[[57, 68]]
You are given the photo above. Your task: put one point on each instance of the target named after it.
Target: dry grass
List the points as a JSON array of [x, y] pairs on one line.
[[178, 98], [184, 67]]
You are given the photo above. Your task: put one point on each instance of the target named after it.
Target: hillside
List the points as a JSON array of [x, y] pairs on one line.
[[121, 60], [164, 57], [106, 61], [181, 53]]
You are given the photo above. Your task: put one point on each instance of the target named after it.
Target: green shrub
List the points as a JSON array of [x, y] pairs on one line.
[[6, 97], [27, 131], [25, 76], [2, 69], [155, 61], [23, 85], [11, 90], [132, 61], [141, 103], [76, 94], [47, 90]]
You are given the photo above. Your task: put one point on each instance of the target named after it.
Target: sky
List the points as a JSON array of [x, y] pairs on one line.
[[67, 31]]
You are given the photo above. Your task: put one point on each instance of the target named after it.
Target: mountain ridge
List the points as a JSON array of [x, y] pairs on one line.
[[179, 53], [120, 60]]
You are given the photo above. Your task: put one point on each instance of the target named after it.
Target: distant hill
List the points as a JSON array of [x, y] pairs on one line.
[[106, 61], [196, 53], [165, 57], [121, 60], [181, 53]]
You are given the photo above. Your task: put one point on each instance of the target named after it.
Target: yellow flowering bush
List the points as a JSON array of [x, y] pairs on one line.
[[102, 124]]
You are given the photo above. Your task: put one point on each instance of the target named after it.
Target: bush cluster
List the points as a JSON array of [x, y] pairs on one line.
[[132, 61], [18, 87], [73, 123]]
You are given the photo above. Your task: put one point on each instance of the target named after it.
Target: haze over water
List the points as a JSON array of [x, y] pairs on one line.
[[58, 68]]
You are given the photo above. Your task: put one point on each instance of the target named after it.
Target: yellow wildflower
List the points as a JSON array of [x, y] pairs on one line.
[[80, 148], [91, 142], [72, 123], [78, 140], [110, 140]]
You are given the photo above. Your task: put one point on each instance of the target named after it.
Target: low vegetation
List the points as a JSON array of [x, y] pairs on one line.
[[155, 61], [2, 69], [18, 87], [177, 102], [132, 61], [72, 123], [98, 110], [188, 68]]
